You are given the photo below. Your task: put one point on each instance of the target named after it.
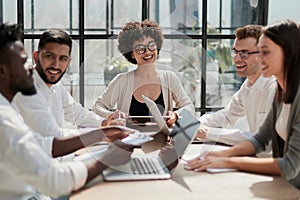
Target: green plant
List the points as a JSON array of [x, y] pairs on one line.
[[218, 50], [114, 66]]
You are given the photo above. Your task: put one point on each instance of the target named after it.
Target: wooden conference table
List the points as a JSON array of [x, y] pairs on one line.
[[191, 185]]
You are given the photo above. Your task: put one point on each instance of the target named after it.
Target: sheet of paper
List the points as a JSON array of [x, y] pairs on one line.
[[226, 136], [137, 139], [220, 170], [208, 148]]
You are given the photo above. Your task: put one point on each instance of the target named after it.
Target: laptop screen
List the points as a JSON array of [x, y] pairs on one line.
[[182, 135], [160, 166], [161, 123], [184, 132]]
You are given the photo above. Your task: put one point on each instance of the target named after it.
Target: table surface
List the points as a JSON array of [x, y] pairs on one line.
[[191, 185]]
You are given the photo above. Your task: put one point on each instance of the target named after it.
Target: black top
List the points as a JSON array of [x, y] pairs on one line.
[[140, 109]]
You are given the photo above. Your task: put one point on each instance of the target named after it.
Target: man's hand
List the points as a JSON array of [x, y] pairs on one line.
[[117, 153], [201, 132], [112, 134], [116, 118], [169, 156]]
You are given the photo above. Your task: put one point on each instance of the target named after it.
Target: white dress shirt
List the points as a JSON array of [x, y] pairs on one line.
[[253, 101], [47, 111], [26, 165]]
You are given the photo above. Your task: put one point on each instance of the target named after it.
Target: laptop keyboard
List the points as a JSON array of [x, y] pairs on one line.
[[145, 166]]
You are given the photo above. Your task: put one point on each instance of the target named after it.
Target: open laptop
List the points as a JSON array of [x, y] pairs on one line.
[[149, 166], [158, 118]]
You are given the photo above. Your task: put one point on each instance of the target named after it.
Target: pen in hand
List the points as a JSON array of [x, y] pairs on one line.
[[117, 119], [119, 115]]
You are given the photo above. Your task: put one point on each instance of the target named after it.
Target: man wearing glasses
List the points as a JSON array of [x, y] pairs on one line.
[[254, 99]]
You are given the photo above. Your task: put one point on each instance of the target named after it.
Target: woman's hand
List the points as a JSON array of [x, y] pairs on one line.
[[116, 118], [203, 163], [173, 118]]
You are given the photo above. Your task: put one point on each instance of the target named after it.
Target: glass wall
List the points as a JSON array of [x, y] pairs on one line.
[[281, 10], [198, 35], [8, 12]]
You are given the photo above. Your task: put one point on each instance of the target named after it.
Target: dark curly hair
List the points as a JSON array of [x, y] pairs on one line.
[[133, 31], [9, 33]]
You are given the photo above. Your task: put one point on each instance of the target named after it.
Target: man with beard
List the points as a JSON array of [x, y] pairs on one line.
[[254, 98], [52, 106], [27, 169]]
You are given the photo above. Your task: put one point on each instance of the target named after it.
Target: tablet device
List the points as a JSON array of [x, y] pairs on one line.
[[161, 123], [143, 119]]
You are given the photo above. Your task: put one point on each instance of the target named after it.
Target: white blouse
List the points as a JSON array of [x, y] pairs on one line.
[[281, 123]]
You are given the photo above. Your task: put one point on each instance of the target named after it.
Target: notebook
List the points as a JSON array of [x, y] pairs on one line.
[[147, 127], [149, 166], [158, 118]]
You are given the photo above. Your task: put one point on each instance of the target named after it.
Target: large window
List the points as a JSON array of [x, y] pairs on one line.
[[198, 34], [281, 10]]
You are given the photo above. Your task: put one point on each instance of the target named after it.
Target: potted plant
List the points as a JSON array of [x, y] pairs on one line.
[[114, 66]]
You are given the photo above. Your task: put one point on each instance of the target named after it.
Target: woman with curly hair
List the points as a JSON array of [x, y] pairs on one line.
[[140, 44]]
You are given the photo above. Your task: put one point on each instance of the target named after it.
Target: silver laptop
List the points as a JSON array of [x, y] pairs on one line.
[[149, 166], [158, 118]]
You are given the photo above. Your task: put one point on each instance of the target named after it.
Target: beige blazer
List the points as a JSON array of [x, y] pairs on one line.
[[120, 89]]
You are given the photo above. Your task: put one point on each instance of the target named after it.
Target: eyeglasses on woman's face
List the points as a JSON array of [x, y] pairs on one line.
[[244, 54], [141, 49]]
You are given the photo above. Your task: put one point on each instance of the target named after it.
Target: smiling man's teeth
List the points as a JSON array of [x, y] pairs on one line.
[[54, 71]]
